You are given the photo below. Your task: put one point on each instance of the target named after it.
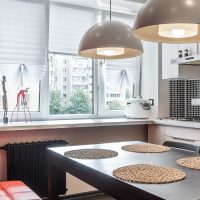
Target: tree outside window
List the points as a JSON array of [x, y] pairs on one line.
[[75, 97]]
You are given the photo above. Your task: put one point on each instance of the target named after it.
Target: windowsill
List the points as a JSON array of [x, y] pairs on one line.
[[56, 124]]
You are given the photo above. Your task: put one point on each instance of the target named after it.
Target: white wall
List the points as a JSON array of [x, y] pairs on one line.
[[149, 87], [163, 89], [153, 86]]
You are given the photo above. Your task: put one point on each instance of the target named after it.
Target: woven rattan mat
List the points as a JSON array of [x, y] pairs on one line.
[[149, 174], [91, 153], [190, 162], [145, 148]]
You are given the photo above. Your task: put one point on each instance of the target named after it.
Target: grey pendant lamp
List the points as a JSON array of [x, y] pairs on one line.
[[169, 21], [110, 40]]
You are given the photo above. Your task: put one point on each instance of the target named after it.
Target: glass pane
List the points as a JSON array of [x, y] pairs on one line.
[[31, 101], [122, 82], [71, 84]]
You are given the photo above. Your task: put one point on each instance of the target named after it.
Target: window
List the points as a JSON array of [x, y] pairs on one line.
[[77, 86], [76, 97], [125, 76], [64, 70], [73, 92], [121, 79], [75, 89]]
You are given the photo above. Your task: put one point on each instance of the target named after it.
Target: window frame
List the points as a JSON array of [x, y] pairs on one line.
[[102, 111], [99, 88], [42, 113], [94, 98]]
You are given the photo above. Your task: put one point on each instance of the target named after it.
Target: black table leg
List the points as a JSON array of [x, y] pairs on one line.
[[56, 180]]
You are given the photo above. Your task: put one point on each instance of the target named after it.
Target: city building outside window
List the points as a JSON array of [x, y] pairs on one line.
[[76, 96]]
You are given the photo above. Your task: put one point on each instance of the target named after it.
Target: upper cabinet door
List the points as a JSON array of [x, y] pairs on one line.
[[169, 52], [171, 69], [192, 49]]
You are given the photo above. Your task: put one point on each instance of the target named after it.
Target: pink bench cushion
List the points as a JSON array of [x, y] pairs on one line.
[[17, 190], [3, 195]]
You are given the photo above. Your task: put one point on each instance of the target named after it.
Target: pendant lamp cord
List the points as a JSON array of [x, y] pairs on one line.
[[110, 10]]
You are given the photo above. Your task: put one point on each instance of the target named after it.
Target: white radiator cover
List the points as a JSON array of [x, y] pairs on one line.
[[3, 165]]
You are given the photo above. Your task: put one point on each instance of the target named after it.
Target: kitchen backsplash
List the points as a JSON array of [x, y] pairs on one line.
[[184, 99]]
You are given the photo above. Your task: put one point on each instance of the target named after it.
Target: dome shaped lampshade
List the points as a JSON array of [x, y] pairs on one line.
[[110, 40], [169, 21]]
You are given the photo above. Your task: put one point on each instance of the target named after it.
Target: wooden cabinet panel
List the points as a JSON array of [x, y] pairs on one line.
[[156, 134], [3, 165]]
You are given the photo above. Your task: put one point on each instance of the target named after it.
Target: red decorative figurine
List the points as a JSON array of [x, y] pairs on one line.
[[22, 101]]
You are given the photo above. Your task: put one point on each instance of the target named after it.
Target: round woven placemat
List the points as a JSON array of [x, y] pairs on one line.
[[190, 162], [91, 153], [149, 174], [145, 148]]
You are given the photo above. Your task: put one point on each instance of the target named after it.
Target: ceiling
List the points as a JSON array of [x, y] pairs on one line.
[[123, 6]]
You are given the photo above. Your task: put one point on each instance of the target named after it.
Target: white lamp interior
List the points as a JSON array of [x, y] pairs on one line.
[[178, 30], [110, 51]]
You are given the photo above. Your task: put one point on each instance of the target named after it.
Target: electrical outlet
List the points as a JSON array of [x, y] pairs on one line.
[[195, 102]]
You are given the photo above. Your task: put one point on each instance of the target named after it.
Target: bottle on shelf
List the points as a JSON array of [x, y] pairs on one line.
[[186, 53]]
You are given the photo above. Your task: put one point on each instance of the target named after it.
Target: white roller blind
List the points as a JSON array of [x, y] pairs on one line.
[[67, 26], [131, 65], [23, 39], [123, 74], [23, 32]]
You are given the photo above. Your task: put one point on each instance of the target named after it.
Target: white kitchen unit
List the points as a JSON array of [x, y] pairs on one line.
[[172, 69], [192, 48], [169, 52], [159, 133], [184, 135]]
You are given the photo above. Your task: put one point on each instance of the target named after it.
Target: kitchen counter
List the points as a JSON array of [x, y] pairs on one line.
[[170, 122], [56, 124]]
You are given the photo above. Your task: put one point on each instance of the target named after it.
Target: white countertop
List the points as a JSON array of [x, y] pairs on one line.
[[170, 122], [55, 124]]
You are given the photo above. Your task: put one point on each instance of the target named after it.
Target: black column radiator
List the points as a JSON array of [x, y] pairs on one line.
[[28, 162]]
